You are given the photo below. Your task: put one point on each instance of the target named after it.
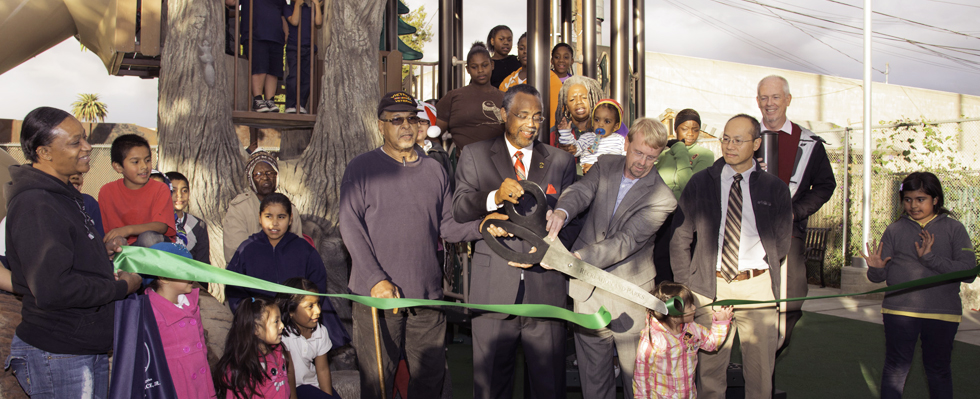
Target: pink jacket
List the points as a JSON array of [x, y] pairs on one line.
[[183, 341]]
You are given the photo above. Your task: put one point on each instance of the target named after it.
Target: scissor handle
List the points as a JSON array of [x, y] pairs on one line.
[[520, 232], [536, 221]]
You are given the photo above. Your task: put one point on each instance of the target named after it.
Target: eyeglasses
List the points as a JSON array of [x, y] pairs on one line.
[[737, 142], [412, 120], [524, 117], [270, 174], [424, 122]]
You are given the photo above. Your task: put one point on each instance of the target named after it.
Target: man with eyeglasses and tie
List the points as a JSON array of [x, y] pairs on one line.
[[487, 175], [743, 220], [395, 203]]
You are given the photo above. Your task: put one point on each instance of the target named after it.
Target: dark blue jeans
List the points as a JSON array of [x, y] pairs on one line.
[[312, 392], [304, 74], [901, 334], [51, 375]]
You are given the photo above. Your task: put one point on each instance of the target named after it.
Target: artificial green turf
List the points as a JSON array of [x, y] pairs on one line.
[[829, 357], [834, 357]]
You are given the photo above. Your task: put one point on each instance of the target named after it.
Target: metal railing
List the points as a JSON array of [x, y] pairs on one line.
[[313, 99], [416, 82]]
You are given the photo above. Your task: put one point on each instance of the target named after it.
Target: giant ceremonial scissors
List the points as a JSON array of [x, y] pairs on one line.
[[532, 228]]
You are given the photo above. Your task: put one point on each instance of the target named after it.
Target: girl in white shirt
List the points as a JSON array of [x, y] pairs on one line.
[[306, 340]]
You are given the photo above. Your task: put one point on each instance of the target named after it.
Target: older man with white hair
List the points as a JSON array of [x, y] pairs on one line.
[[804, 166]]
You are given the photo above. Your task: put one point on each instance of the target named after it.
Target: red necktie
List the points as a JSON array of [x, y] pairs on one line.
[[519, 166]]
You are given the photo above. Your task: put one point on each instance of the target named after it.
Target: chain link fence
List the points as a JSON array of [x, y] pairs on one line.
[[101, 171], [900, 151]]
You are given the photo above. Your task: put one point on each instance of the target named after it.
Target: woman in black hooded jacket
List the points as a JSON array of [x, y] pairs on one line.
[[60, 265]]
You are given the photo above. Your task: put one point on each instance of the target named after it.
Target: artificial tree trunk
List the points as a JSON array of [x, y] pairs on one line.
[[346, 123], [196, 134], [346, 126]]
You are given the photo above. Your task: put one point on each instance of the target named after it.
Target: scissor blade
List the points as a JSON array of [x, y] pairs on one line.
[[560, 259]]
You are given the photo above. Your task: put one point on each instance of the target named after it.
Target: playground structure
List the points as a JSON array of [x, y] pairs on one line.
[[128, 37]]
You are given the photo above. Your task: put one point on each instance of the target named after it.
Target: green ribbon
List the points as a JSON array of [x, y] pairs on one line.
[[675, 306], [901, 286], [164, 264]]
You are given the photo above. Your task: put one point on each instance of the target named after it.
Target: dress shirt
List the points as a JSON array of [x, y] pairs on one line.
[[751, 254], [625, 184], [491, 204], [787, 127]]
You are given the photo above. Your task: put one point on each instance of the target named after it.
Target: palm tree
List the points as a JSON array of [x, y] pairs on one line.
[[88, 108]]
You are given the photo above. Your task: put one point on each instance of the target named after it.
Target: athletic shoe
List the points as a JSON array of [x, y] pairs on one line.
[[291, 110], [271, 105], [260, 106]]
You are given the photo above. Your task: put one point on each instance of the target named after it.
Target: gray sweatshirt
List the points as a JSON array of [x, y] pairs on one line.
[[952, 251], [391, 217]]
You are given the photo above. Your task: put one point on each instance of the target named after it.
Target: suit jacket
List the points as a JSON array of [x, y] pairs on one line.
[[620, 243], [481, 169], [699, 212]]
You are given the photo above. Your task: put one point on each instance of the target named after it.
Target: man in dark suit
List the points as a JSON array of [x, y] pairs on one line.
[[804, 166], [628, 204], [486, 176], [743, 220]]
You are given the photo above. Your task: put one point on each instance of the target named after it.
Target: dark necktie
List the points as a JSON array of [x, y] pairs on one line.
[[733, 230], [519, 166]]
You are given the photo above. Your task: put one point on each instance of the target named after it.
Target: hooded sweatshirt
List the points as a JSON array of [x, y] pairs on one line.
[[59, 263], [952, 251]]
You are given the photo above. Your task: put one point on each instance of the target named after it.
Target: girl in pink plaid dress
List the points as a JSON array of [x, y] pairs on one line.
[[667, 356]]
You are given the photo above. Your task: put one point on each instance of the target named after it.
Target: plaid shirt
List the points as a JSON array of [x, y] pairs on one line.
[[666, 363]]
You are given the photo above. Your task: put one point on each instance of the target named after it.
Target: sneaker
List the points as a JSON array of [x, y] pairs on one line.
[[271, 105], [302, 110], [291, 110], [259, 106]]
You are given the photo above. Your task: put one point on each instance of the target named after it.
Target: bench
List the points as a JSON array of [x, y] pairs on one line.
[[816, 248]]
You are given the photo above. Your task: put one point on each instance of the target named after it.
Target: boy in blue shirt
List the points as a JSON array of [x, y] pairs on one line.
[[298, 18]]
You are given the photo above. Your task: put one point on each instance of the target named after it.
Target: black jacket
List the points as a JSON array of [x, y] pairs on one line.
[[59, 263], [699, 213]]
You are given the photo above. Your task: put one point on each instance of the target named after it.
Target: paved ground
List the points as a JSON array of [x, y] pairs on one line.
[[870, 310]]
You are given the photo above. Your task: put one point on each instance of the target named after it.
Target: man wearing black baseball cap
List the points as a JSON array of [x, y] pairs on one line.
[[397, 101], [395, 203]]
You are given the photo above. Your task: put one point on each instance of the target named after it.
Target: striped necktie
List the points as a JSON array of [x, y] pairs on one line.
[[733, 230], [519, 166]]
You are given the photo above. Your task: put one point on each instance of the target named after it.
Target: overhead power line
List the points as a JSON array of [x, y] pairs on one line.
[[922, 45], [748, 38], [909, 20]]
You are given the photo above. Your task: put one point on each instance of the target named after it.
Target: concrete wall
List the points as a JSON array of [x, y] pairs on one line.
[[720, 89]]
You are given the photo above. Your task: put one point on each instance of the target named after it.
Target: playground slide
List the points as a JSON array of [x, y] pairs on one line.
[[29, 27]]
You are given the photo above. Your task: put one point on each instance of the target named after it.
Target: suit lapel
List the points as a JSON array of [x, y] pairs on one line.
[[608, 190], [540, 163], [638, 190], [500, 157]]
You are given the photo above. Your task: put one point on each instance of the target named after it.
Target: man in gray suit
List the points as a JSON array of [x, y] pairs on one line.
[[486, 176], [628, 204]]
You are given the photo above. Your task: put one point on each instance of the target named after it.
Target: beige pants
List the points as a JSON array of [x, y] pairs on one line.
[[756, 327]]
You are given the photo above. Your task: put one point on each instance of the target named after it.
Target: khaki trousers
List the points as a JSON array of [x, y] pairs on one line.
[[756, 327]]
